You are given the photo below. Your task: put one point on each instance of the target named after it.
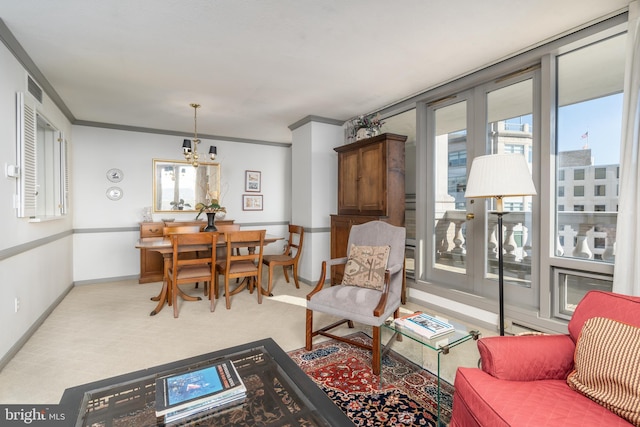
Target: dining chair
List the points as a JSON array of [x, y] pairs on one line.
[[190, 270], [371, 287], [241, 265], [176, 228], [289, 257]]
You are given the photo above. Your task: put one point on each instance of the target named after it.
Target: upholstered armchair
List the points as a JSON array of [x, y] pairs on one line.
[[588, 377], [367, 302]]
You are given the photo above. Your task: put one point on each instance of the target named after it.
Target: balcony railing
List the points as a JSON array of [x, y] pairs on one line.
[[586, 235]]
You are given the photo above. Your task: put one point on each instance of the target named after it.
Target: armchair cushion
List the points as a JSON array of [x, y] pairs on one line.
[[366, 266], [353, 303], [527, 358], [606, 366]]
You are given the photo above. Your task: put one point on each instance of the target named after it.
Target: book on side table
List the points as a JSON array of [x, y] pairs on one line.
[[424, 325], [212, 388]]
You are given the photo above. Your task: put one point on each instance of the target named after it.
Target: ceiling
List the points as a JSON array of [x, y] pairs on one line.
[[258, 66]]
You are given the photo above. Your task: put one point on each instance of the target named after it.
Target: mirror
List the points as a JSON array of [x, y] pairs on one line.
[[178, 186]]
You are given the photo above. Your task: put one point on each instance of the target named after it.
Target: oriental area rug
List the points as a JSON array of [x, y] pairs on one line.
[[407, 395]]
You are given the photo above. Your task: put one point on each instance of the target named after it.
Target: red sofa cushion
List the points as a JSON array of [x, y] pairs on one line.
[[527, 358], [482, 400]]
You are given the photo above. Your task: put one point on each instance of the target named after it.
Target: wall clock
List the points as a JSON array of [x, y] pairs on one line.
[[115, 175], [114, 193]]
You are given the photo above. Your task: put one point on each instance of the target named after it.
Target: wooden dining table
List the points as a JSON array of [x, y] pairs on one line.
[[163, 246]]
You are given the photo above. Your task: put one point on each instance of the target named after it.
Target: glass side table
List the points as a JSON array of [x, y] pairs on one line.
[[436, 347]]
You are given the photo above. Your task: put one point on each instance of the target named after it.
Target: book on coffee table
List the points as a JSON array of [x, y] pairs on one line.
[[205, 389], [424, 325]]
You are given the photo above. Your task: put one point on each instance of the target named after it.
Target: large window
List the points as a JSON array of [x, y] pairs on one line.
[[560, 107], [589, 112]]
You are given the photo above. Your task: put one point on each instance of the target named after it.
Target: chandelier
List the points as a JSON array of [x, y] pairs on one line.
[[191, 151]]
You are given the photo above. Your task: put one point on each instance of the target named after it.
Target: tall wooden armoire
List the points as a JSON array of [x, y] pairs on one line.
[[370, 187]]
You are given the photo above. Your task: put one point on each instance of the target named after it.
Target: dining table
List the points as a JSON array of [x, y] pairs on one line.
[[163, 246]]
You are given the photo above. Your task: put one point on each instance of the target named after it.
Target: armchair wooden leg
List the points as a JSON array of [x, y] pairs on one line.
[[286, 275], [309, 330], [375, 351]]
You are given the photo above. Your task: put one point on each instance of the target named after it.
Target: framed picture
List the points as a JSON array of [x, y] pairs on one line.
[[252, 202], [252, 181]]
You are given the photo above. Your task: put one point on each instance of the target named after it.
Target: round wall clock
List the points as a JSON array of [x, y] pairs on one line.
[[115, 175], [114, 193]]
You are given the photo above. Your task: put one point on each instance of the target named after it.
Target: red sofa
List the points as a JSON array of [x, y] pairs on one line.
[[523, 380]]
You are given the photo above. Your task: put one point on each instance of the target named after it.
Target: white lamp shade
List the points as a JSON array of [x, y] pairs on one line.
[[499, 175]]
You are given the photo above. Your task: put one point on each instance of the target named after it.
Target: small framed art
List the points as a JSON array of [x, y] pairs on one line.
[[252, 181], [251, 202]]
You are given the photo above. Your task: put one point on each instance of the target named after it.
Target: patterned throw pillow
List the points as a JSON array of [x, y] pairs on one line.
[[607, 361], [366, 266]]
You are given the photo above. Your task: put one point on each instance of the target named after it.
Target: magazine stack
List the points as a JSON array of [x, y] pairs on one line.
[[212, 388], [424, 325]]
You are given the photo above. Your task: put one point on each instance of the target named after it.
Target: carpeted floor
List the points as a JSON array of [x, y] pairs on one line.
[[403, 395]]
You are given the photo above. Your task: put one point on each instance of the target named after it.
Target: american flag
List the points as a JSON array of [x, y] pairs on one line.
[[585, 135]]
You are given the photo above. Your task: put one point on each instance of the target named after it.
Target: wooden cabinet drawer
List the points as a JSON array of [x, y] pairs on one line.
[[151, 229]]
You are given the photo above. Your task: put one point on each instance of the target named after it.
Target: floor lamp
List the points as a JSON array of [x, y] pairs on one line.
[[498, 176]]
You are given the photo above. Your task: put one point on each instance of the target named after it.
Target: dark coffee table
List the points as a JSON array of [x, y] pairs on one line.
[[278, 393]]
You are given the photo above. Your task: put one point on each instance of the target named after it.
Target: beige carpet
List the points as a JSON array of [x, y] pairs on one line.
[[103, 330]]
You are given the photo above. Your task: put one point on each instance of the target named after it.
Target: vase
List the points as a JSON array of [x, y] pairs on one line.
[[362, 133], [211, 222]]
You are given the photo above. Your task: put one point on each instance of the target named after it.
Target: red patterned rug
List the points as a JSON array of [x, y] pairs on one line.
[[406, 397]]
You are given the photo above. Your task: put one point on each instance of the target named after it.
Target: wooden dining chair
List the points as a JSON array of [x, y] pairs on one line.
[[288, 259], [241, 265], [190, 270], [176, 228]]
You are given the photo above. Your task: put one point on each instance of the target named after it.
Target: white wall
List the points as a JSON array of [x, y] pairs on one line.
[[35, 258], [106, 230]]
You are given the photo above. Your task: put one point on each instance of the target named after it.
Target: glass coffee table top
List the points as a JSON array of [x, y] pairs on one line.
[[279, 393]]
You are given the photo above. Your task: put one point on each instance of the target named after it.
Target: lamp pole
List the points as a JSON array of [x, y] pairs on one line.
[[500, 273]]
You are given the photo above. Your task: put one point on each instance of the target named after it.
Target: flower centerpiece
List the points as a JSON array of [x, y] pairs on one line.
[[367, 126], [211, 209]]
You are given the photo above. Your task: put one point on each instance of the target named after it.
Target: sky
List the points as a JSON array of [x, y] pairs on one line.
[[600, 120]]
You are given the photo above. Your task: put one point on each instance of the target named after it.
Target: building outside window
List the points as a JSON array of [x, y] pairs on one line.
[[578, 190]]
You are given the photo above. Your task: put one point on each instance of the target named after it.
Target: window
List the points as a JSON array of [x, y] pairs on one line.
[[565, 109], [512, 148], [571, 286], [43, 184], [458, 158], [584, 111], [513, 206]]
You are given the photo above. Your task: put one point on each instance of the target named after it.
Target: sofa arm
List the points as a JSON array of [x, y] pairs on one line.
[[528, 357]]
